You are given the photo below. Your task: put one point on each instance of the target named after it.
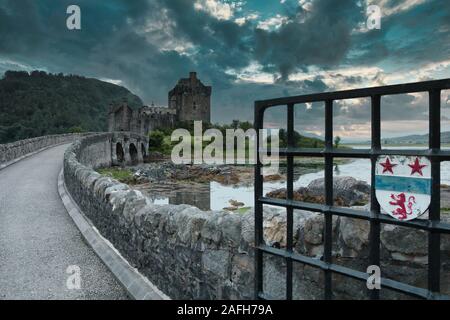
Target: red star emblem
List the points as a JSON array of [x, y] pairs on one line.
[[387, 166], [417, 167]]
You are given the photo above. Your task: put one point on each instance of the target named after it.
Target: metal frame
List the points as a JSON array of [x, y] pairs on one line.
[[433, 225]]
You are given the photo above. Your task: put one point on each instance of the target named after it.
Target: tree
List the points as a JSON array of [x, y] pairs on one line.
[[337, 141], [245, 125], [41, 103], [156, 139]]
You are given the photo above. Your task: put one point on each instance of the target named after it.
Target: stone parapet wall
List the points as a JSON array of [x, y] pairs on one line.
[[186, 252], [14, 150], [193, 254]]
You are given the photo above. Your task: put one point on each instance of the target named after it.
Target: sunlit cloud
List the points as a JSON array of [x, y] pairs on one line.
[[216, 8], [391, 7], [272, 23]]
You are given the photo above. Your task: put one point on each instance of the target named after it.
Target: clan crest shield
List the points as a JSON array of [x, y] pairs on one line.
[[403, 185]]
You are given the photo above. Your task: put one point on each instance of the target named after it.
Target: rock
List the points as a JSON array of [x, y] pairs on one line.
[[351, 191], [166, 171], [235, 203], [247, 231], [231, 229], [275, 229], [445, 197], [194, 219], [272, 177], [347, 192], [405, 241], [313, 231], [212, 231], [355, 234], [277, 194], [216, 262], [230, 208], [242, 269]]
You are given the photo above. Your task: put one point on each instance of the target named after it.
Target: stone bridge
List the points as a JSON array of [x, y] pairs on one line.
[[128, 148], [53, 220]]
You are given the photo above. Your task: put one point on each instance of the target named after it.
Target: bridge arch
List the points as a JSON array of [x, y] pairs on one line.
[[134, 157], [143, 150], [128, 148], [120, 154]]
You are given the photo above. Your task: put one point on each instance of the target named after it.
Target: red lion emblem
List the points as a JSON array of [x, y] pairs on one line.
[[404, 209]]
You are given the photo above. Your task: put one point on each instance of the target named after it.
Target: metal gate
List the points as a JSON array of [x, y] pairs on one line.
[[433, 225]]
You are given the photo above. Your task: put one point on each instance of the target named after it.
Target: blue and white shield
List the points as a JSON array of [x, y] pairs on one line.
[[403, 186]]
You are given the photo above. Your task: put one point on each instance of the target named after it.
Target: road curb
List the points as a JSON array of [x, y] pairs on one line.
[[137, 286]]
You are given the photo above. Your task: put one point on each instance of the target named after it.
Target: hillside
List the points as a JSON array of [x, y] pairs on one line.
[[416, 139], [301, 141], [38, 103]]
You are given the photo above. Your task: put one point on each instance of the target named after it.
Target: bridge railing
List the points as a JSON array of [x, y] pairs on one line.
[[434, 226], [10, 152]]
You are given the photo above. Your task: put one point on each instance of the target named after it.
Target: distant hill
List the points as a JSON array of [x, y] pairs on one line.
[[300, 140], [312, 135], [416, 139], [38, 103]]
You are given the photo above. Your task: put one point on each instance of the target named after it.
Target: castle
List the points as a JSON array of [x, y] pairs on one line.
[[189, 100]]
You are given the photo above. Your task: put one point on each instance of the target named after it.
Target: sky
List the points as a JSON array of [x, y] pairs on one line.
[[246, 50]]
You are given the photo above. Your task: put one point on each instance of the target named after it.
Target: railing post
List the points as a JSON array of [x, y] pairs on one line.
[[328, 229], [434, 238], [289, 196], [259, 236], [374, 233]]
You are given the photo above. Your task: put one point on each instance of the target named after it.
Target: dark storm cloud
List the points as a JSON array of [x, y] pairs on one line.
[[111, 46], [322, 39], [123, 40], [108, 46]]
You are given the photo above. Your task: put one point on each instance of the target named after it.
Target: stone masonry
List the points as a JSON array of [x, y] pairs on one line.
[[18, 149], [191, 99], [193, 254]]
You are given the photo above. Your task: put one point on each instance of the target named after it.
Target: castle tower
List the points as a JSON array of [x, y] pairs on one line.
[[191, 100], [121, 118]]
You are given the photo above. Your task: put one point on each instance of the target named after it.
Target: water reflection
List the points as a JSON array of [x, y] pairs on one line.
[[200, 198], [215, 196]]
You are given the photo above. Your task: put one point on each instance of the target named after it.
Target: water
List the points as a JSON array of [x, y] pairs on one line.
[[217, 196]]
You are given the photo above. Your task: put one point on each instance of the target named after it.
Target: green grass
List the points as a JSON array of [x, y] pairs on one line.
[[243, 210], [123, 175]]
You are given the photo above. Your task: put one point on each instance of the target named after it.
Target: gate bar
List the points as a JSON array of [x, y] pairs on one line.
[[434, 226]]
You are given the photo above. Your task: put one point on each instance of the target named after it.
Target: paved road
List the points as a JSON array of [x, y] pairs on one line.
[[39, 241]]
